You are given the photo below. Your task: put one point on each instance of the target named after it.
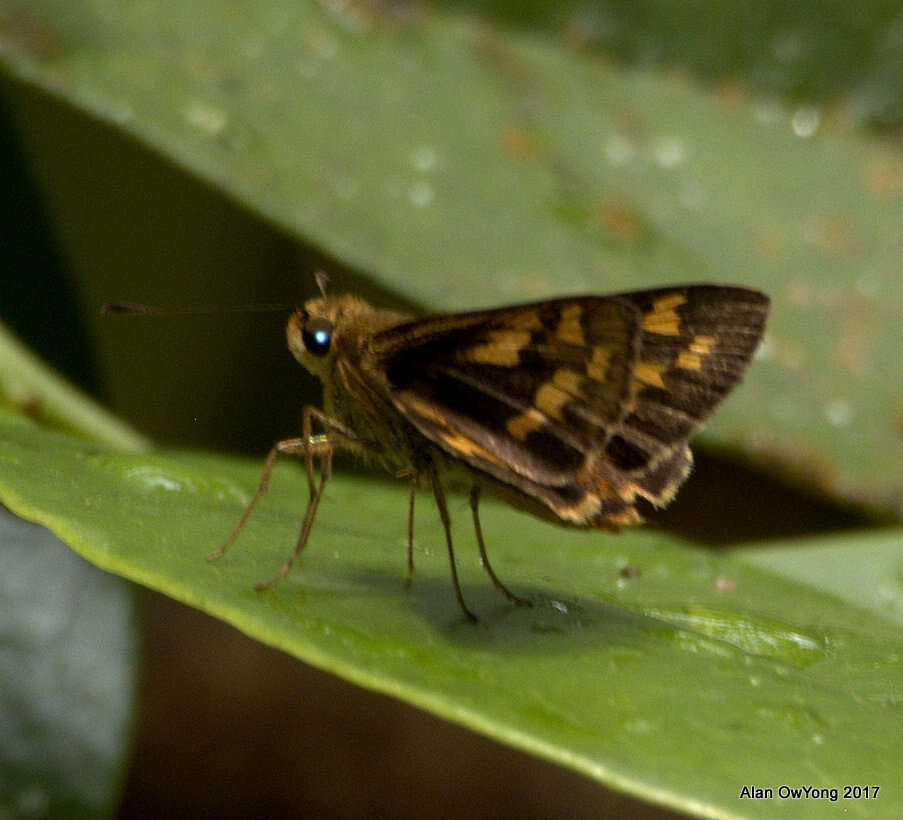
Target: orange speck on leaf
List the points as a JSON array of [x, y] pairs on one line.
[[883, 175], [518, 143], [621, 222]]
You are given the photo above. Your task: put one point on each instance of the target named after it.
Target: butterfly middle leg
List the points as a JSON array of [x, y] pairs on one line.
[[439, 494], [412, 492]]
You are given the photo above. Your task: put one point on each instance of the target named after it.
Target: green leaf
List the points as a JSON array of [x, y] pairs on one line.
[[67, 678], [465, 165], [808, 50], [635, 644], [864, 569], [28, 384]]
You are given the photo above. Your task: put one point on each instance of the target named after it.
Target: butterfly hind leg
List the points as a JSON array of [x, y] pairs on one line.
[[474, 506]]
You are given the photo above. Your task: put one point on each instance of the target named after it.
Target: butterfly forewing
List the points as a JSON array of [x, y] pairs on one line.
[[528, 390]]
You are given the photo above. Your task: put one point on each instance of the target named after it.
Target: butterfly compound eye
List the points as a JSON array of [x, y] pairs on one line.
[[317, 335]]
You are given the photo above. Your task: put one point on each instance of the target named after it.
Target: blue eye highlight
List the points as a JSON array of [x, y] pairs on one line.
[[317, 335]]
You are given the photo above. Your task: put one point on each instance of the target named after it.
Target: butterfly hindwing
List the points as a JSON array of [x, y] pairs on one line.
[[695, 344]]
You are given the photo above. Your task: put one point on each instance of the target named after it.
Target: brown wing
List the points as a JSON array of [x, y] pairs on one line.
[[695, 344], [517, 392], [582, 405]]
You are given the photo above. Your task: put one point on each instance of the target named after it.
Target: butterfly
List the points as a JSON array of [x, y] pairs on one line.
[[575, 409]]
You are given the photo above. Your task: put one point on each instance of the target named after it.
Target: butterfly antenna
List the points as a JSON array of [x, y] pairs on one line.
[[322, 280], [153, 310]]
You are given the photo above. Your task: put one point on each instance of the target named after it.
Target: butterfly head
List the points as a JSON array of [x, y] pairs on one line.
[[329, 327], [312, 334]]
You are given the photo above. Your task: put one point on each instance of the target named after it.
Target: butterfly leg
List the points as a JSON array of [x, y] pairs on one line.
[[412, 493], [439, 493], [291, 446], [313, 503], [474, 506], [309, 446]]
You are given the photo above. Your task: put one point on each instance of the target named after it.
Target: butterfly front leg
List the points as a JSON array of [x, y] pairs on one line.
[[309, 446], [412, 493]]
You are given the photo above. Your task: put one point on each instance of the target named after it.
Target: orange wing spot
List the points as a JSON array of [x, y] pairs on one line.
[[553, 395], [525, 423], [597, 368], [524, 320], [702, 344], [650, 373], [628, 492], [550, 399], [568, 380], [423, 408], [582, 511], [687, 360], [626, 518], [697, 350], [461, 445], [663, 318], [598, 490], [502, 347], [569, 329]]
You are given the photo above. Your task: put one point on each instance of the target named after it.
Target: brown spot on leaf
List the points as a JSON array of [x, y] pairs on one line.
[[853, 350], [768, 243], [835, 237], [883, 175], [520, 144], [732, 95], [622, 222], [800, 293], [26, 30]]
